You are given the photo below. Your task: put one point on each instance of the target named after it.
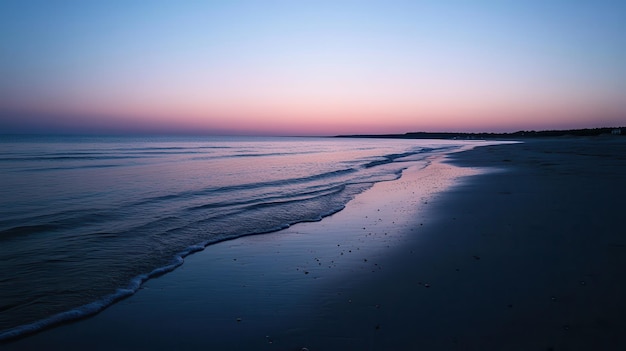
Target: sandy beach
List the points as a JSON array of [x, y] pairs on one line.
[[506, 247]]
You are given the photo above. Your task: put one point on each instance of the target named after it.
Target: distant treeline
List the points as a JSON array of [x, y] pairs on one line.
[[520, 134]]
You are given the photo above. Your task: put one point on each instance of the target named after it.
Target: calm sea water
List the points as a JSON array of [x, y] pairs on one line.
[[85, 220]]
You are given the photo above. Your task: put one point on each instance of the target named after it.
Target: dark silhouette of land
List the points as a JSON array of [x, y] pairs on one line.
[[621, 131]]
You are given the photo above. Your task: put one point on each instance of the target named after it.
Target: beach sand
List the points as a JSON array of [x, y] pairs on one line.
[[524, 250]]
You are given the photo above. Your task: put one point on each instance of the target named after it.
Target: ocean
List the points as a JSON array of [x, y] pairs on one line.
[[84, 221]]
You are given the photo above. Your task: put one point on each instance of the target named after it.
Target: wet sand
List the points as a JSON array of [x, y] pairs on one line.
[[527, 256]]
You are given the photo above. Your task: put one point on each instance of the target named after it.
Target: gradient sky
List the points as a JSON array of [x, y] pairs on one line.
[[310, 67]]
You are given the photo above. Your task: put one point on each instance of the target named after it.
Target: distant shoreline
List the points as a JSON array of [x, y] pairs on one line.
[[616, 131], [522, 134]]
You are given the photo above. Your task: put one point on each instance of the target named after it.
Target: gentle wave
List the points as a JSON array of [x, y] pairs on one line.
[[95, 307], [162, 201], [99, 305]]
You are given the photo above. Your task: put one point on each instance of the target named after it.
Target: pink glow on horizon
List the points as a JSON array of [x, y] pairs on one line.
[[274, 69], [254, 116], [309, 105]]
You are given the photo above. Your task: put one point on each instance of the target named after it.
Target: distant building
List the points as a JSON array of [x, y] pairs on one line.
[[616, 131]]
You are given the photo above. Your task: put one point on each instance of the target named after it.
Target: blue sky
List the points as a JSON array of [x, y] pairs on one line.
[[312, 67]]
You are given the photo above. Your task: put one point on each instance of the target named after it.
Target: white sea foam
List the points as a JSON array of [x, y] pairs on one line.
[[71, 207]]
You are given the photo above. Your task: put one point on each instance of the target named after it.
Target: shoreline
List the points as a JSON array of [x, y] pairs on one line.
[[92, 308], [473, 267]]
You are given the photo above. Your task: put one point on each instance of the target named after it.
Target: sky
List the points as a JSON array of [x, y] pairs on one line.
[[310, 67]]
